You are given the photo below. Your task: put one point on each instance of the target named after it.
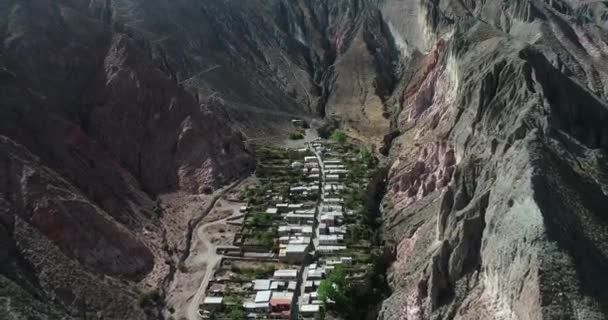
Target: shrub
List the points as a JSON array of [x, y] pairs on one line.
[[158, 209], [167, 248], [182, 267], [296, 136], [338, 137], [149, 297], [236, 312]]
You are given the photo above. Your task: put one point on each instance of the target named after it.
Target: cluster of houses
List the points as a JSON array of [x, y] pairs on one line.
[[274, 297], [311, 231], [271, 298]]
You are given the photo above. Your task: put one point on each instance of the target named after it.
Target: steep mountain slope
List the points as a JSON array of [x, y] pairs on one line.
[[269, 61], [499, 177], [91, 130]]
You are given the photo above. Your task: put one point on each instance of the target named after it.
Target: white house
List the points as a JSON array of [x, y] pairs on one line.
[[285, 274], [330, 239]]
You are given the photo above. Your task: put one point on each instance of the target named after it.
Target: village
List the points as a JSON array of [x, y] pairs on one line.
[[301, 232]]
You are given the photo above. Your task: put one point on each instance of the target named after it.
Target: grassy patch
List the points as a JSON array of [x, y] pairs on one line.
[[338, 137], [258, 272], [296, 136]]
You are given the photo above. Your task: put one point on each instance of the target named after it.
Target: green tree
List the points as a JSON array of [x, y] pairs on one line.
[[336, 288], [149, 297], [236, 312], [296, 136], [338, 137]]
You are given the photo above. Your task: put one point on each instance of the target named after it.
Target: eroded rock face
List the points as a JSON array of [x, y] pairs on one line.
[[91, 130], [495, 110]]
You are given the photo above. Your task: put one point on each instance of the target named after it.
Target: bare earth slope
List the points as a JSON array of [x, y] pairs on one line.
[[496, 198], [91, 130]]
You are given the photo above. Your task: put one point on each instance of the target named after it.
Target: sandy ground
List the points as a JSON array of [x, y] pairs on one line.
[[188, 289]]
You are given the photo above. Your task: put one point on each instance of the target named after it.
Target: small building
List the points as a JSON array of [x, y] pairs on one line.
[[299, 240], [298, 189], [285, 274], [332, 177], [259, 307], [281, 299], [315, 274], [332, 207], [305, 299], [300, 218], [330, 249], [298, 122], [333, 201], [327, 219], [334, 187], [261, 284], [243, 209], [306, 230], [309, 286], [337, 230], [311, 165], [309, 310], [284, 239], [272, 211], [323, 228], [310, 159], [263, 296], [213, 303], [292, 285], [284, 230], [277, 285], [346, 260], [297, 165], [295, 206], [294, 253], [330, 239]]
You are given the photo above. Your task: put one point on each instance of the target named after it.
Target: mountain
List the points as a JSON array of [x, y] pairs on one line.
[[490, 115], [499, 177]]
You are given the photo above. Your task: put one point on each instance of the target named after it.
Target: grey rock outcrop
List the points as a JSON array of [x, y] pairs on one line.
[[508, 106]]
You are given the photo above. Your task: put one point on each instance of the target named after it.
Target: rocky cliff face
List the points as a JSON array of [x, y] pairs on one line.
[[92, 129], [492, 115], [498, 179]]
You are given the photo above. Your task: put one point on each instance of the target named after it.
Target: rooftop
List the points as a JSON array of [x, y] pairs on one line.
[[309, 308], [213, 300], [286, 273], [261, 284], [263, 296], [296, 248]]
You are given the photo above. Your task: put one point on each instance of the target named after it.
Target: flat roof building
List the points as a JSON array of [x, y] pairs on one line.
[[263, 296], [310, 159], [330, 239], [272, 210], [213, 300], [261, 284], [309, 310], [285, 274]]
